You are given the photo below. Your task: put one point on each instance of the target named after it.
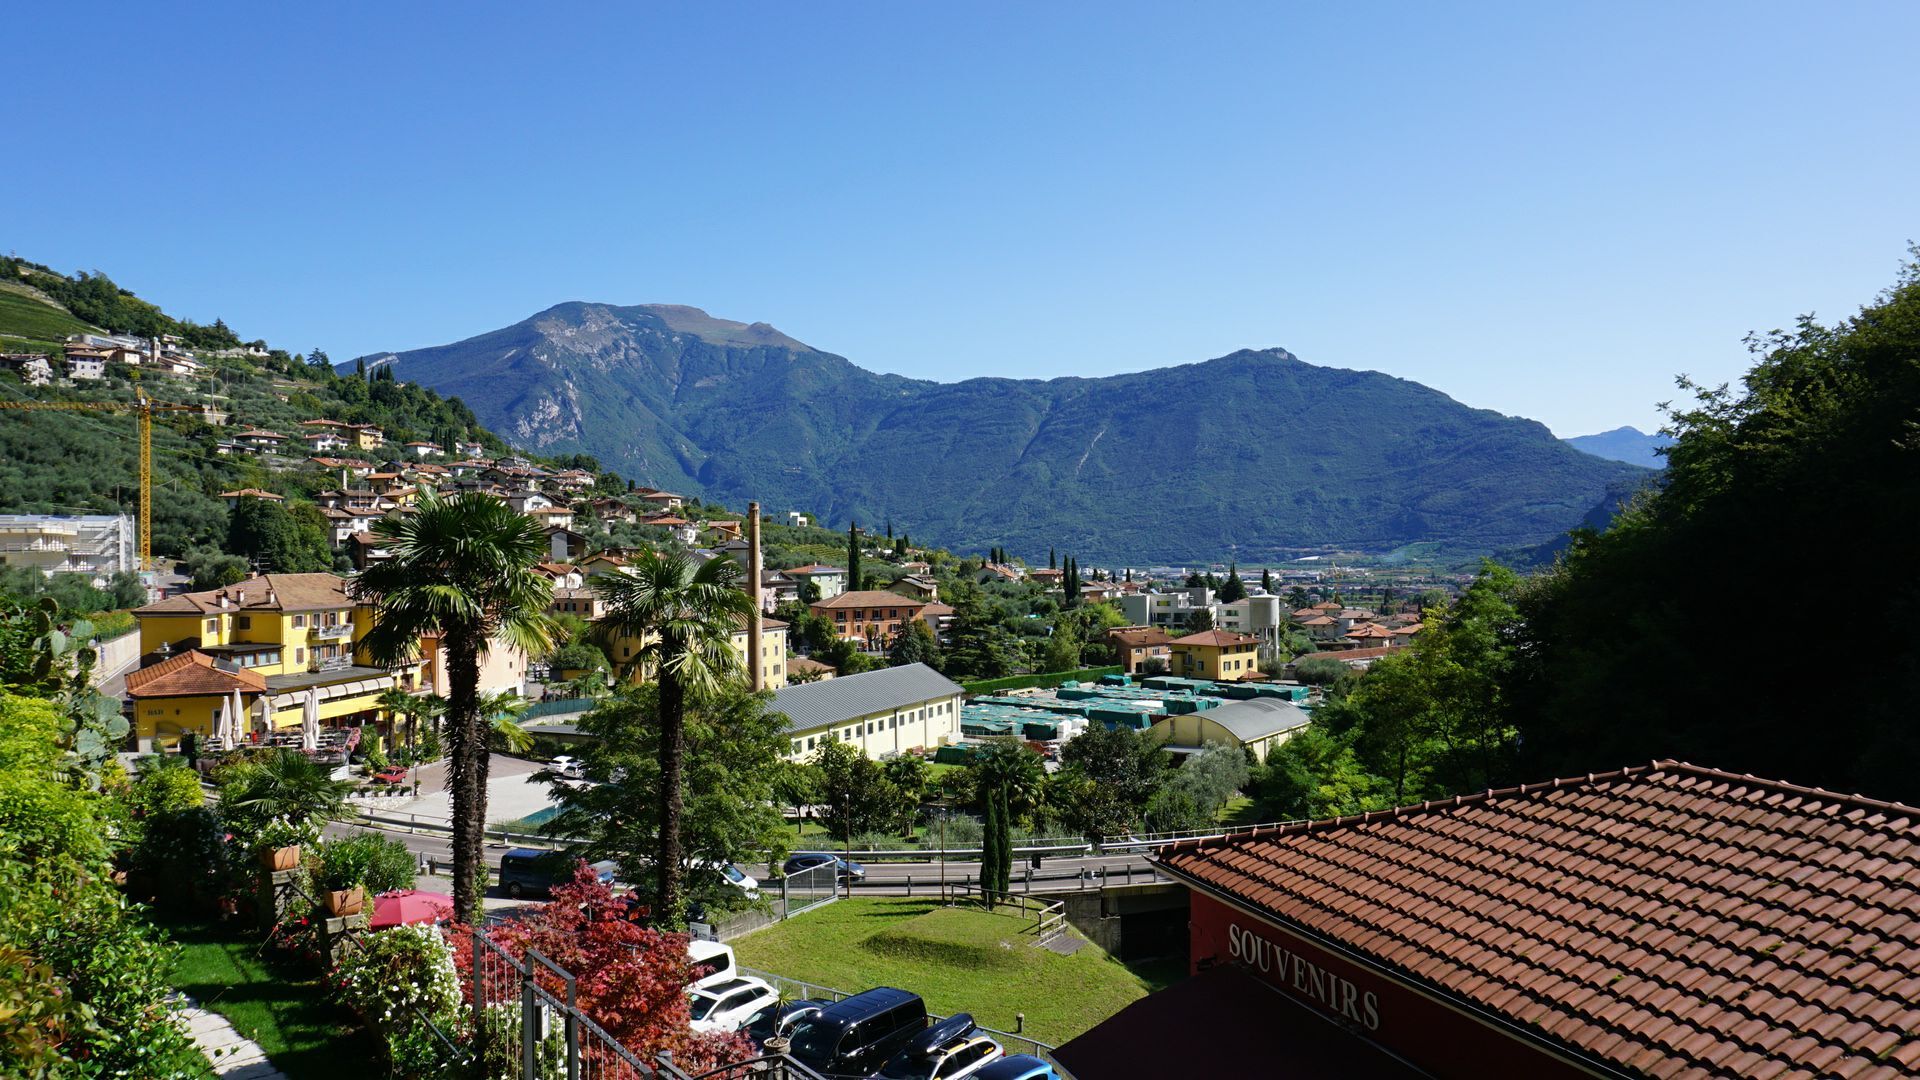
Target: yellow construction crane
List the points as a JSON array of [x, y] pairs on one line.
[[143, 408]]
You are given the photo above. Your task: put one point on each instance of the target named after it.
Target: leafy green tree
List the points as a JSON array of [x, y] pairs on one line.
[[855, 795], [1814, 451], [735, 776], [275, 538], [1199, 621], [979, 645], [1192, 795], [1297, 598], [914, 645], [210, 569], [684, 614], [1111, 773], [462, 567]]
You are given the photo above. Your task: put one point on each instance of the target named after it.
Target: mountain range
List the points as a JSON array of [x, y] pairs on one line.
[[1628, 444], [1255, 452]]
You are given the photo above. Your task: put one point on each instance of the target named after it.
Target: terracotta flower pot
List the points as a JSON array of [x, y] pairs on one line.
[[346, 901], [283, 858]]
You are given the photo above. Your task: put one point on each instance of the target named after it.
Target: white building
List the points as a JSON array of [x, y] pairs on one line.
[[98, 545], [1169, 609], [883, 712]]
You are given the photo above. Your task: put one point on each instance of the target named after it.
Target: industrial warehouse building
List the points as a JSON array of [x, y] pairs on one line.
[[882, 712], [1664, 920]]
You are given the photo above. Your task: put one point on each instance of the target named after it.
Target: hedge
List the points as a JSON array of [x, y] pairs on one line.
[[1049, 679]]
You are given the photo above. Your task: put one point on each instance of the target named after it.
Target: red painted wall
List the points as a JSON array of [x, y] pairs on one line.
[[1424, 1031]]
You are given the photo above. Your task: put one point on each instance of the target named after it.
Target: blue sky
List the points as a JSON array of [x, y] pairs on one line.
[[1547, 210]]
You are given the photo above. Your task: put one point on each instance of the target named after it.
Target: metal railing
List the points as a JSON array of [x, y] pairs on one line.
[[1012, 1041], [1049, 916], [528, 1025]]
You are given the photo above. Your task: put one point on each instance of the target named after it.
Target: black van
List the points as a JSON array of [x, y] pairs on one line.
[[856, 1035], [530, 871]]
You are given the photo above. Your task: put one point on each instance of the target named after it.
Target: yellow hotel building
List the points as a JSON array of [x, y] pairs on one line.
[[278, 638], [773, 652]]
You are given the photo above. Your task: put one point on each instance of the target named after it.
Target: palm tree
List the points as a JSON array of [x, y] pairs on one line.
[[683, 614], [400, 703], [284, 786], [502, 710], [463, 568]]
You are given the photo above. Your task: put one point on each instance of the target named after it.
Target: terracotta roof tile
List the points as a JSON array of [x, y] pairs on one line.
[[1669, 919], [191, 674]]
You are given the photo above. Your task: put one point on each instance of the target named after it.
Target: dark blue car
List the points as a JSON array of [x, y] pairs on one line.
[[1018, 1067], [807, 860]]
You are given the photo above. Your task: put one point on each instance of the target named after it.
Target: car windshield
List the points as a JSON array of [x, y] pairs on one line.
[[815, 1043], [733, 873], [908, 1065], [702, 1005]]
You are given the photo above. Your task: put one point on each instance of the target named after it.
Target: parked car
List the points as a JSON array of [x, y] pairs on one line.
[[533, 872], [856, 1035], [1018, 1067], [392, 774], [728, 1005], [807, 860], [736, 877], [568, 766], [948, 1050], [780, 1019], [716, 957]]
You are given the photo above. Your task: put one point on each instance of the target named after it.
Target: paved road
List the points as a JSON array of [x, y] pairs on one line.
[[883, 878]]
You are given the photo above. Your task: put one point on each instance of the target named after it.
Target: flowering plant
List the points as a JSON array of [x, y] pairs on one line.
[[397, 971]]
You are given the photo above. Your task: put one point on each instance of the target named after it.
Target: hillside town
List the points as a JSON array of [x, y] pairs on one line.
[[936, 543]]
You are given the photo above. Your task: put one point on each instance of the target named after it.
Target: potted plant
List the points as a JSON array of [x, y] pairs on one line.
[[278, 845], [342, 877]]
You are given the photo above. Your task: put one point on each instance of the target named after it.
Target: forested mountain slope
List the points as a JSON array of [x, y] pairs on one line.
[[1256, 450]]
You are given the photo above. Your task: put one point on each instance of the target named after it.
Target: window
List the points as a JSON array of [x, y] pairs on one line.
[[244, 622], [299, 656], [213, 626], [299, 622]]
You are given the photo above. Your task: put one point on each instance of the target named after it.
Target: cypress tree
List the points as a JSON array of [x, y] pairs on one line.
[[1051, 565], [990, 848], [853, 557], [1266, 579], [1005, 882]]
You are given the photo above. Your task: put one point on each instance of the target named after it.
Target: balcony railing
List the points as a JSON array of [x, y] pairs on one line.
[[331, 633]]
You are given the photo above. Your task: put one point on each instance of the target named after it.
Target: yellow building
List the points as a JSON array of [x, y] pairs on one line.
[[773, 652], [1256, 725], [1220, 655], [295, 633]]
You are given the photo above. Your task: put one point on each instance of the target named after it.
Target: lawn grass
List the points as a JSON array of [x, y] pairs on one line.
[[960, 959], [285, 1009], [1239, 810]]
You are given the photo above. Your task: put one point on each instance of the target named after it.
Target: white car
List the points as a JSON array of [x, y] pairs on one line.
[[568, 766], [949, 1050], [735, 876], [727, 1005], [713, 954]]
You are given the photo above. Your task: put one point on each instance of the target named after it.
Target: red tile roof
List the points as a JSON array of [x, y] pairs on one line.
[[191, 674], [1217, 639], [870, 598], [1669, 920]]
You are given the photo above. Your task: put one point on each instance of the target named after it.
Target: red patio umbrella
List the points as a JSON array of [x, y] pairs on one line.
[[402, 906]]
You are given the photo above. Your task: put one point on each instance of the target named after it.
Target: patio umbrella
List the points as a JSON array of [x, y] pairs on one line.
[[228, 733], [262, 711], [402, 906], [310, 722]]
